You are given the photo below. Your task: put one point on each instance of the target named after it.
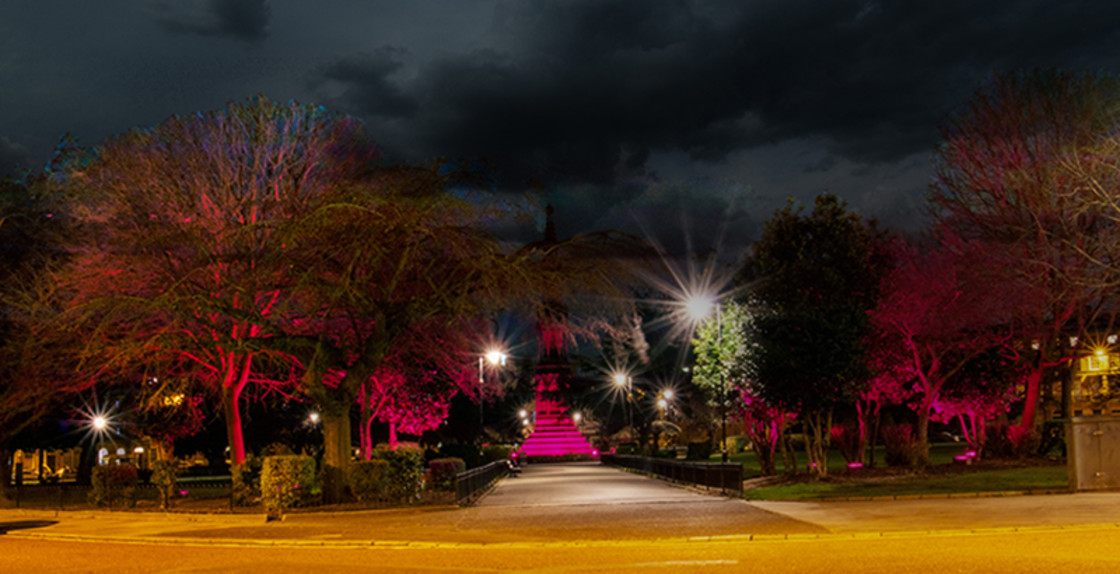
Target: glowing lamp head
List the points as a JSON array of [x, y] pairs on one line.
[[576, 417], [699, 307], [522, 413], [496, 358], [100, 423], [667, 393], [662, 403], [138, 450], [313, 417], [620, 379]]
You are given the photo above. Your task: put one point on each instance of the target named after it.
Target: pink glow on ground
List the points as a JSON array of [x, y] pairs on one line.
[[855, 465], [968, 455]]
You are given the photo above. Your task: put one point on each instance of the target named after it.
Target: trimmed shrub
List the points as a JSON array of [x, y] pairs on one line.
[[286, 481], [699, 450], [165, 475], [469, 453], [113, 485], [493, 452], [1024, 441], [626, 448], [900, 444], [736, 444], [406, 471], [369, 480], [443, 472], [246, 481]]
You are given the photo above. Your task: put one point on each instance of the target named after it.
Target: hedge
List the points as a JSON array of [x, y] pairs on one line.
[[286, 481], [114, 484], [443, 473], [369, 480], [406, 471]]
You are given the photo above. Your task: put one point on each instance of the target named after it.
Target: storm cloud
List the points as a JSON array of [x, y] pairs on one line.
[[242, 19], [586, 90], [613, 109]]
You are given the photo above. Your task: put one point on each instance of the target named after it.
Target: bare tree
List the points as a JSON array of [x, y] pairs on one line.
[[1003, 176]]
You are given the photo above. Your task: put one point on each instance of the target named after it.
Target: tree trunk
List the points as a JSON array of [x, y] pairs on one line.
[[921, 449], [863, 416], [367, 437], [789, 454], [234, 380], [336, 455], [876, 422], [1030, 402], [231, 406], [86, 463], [5, 476], [816, 446], [392, 435]]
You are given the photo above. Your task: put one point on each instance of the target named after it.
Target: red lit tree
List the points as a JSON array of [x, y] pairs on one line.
[[890, 384], [946, 305], [1003, 176], [764, 425], [182, 251], [412, 391], [983, 389]]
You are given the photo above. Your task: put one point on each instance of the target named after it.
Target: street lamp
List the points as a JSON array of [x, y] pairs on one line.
[[698, 308], [625, 382], [496, 358]]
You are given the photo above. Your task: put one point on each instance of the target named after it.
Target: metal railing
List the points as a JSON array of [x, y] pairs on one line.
[[724, 476], [472, 483]]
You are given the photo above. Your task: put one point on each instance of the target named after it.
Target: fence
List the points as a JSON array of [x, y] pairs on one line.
[[67, 495], [473, 482], [217, 495], [725, 476]]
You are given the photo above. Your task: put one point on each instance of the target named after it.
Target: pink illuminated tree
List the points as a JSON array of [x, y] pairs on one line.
[[945, 304], [764, 425], [412, 390], [890, 384], [980, 391]]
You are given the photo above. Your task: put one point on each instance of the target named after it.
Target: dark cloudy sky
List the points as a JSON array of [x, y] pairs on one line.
[[628, 113]]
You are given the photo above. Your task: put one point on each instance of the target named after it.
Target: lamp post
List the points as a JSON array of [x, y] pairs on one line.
[[496, 358], [698, 308], [626, 382]]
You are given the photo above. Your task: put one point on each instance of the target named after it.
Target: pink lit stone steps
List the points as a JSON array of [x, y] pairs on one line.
[[556, 435]]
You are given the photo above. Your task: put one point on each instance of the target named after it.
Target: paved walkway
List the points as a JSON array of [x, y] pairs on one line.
[[582, 503]]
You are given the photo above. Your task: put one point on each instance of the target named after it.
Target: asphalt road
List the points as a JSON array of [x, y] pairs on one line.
[[1086, 551]]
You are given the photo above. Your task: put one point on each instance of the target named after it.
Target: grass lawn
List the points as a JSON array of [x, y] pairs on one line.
[[943, 477], [939, 481], [939, 454]]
